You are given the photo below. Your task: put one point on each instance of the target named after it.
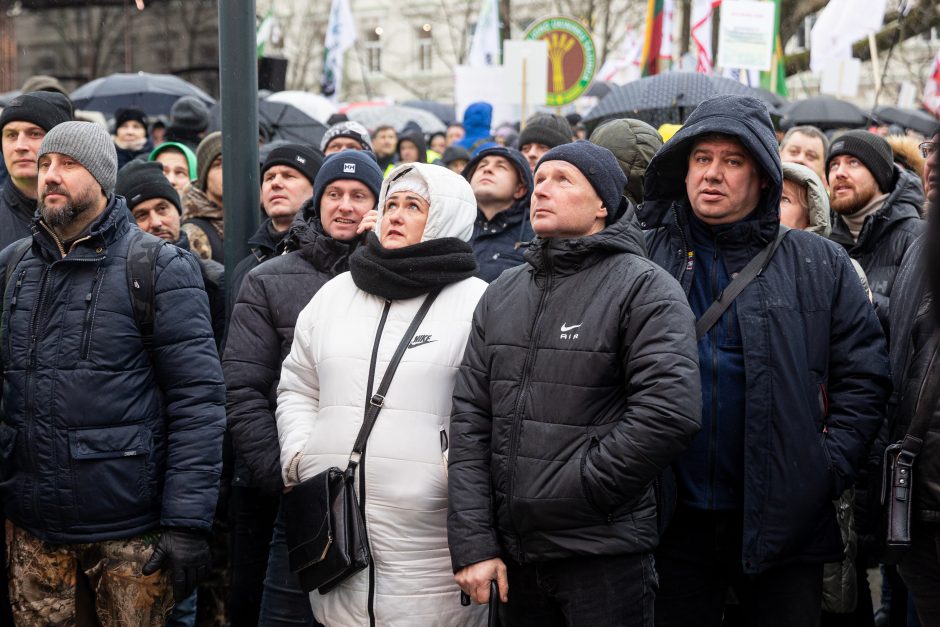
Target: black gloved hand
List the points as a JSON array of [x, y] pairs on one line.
[[187, 555]]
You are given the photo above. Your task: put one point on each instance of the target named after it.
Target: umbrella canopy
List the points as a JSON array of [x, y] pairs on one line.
[[285, 123], [599, 89], [314, 105], [443, 112], [919, 121], [824, 112], [397, 116], [775, 102], [154, 94], [664, 98]]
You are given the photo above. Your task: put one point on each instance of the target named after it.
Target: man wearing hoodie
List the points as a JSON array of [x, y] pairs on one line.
[[23, 124], [794, 378], [502, 184], [476, 125], [411, 145], [876, 209], [579, 385]]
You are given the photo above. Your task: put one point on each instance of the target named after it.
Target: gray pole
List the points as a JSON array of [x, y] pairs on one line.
[[238, 74]]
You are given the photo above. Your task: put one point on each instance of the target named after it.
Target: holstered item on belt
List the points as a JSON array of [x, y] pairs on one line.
[[896, 496]]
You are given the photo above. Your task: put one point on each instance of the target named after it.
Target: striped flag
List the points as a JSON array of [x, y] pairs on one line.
[[932, 88], [655, 41], [701, 31]]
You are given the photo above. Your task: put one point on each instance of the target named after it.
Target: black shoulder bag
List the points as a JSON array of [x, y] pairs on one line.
[[898, 478], [326, 533]]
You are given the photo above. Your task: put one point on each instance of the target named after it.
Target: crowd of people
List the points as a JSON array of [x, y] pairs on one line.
[[631, 381]]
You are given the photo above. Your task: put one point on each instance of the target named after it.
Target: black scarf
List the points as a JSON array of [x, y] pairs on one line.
[[413, 270]]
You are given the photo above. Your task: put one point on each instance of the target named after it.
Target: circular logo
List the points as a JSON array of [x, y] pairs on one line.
[[572, 58]]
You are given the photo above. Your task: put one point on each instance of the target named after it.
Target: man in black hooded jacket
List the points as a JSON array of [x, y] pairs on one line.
[[579, 385], [794, 378]]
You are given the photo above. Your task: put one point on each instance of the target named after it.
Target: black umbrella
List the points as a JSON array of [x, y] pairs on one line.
[[282, 122], [664, 98], [919, 121], [824, 112], [154, 94], [443, 112], [599, 89], [775, 102]]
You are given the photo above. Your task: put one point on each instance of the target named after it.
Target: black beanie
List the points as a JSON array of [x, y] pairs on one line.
[[126, 115], [189, 115], [302, 158], [546, 128], [142, 180], [599, 166], [45, 109], [872, 150], [356, 165]]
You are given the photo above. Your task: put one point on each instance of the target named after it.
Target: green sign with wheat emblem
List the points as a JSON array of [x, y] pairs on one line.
[[572, 58]]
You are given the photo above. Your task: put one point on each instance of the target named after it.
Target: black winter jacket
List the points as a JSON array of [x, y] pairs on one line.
[[261, 246], [579, 385], [101, 439], [260, 336], [814, 354], [16, 214], [913, 340], [885, 238]]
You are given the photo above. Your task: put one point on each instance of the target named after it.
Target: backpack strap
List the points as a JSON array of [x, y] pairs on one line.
[[142, 255], [215, 242], [20, 247]]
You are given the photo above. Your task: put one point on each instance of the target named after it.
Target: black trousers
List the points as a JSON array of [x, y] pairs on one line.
[[251, 514], [582, 591], [699, 562], [920, 570]]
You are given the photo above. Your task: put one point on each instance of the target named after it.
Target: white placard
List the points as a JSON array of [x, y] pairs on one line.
[[476, 84], [746, 35], [533, 57], [841, 78]]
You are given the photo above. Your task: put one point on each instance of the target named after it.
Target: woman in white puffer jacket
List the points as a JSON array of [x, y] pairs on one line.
[[426, 216]]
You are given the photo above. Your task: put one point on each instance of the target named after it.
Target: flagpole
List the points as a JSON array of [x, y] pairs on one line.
[[362, 70]]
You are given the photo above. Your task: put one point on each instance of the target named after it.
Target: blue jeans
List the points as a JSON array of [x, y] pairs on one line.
[[283, 601], [582, 591], [183, 613]]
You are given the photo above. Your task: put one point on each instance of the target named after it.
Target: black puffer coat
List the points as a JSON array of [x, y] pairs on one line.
[[913, 340], [261, 246], [260, 336], [814, 354], [578, 386], [16, 214], [885, 238], [101, 439]]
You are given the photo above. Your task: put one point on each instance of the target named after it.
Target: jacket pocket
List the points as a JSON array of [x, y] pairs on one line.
[[110, 471], [91, 308], [14, 301], [585, 485]]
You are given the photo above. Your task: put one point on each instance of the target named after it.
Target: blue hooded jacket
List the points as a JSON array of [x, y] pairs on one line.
[[477, 120], [815, 362]]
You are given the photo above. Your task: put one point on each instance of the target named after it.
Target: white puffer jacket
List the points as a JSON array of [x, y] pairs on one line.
[[321, 400]]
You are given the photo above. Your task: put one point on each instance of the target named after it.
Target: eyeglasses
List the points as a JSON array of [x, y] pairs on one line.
[[927, 149]]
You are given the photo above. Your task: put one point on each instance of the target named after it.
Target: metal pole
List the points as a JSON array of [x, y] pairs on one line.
[[238, 75]]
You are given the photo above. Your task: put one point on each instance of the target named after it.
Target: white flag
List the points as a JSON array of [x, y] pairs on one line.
[[932, 88], [702, 34], [484, 50], [668, 36], [624, 65], [340, 36], [841, 24]]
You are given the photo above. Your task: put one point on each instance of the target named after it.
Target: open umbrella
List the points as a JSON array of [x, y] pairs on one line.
[[919, 121], [314, 105], [284, 122], [443, 112], [824, 112], [397, 116], [775, 102], [154, 94], [669, 97]]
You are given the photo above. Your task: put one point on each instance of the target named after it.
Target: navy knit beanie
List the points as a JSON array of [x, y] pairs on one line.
[[598, 165], [872, 150], [356, 165]]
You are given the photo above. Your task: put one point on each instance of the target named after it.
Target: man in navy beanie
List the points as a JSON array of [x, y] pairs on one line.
[[579, 386]]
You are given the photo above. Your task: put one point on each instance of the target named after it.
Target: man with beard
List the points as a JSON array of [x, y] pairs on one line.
[[111, 439], [876, 209]]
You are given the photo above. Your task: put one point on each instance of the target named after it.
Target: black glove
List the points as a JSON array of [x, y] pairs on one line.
[[187, 554]]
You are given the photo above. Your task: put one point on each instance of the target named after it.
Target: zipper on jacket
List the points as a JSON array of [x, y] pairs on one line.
[[520, 398], [34, 326], [685, 263], [362, 460], [91, 305], [713, 441], [13, 302]]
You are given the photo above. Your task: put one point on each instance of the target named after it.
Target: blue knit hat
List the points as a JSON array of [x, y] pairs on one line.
[[356, 165], [599, 166]]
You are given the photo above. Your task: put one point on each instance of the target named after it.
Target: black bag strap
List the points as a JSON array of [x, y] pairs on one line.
[[20, 247], [378, 399], [754, 267], [927, 396], [142, 252]]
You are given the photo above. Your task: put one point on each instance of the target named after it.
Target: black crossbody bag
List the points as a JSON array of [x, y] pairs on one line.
[[898, 479], [325, 527]]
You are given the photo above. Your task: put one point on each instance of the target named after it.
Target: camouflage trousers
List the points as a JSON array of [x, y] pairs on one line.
[[44, 579]]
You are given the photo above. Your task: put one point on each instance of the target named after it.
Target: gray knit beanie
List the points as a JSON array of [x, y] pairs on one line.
[[89, 144]]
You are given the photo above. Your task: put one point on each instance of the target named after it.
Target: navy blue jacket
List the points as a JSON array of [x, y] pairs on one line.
[[16, 214], [101, 439], [817, 375], [498, 243]]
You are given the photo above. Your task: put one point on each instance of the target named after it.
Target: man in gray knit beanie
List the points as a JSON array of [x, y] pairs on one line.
[[77, 172]]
